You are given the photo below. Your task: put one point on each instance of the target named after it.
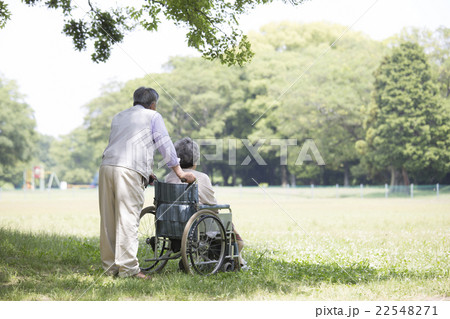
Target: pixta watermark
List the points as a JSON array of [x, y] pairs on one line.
[[227, 150]]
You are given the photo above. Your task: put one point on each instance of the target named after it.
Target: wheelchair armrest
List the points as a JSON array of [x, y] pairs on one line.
[[203, 206]]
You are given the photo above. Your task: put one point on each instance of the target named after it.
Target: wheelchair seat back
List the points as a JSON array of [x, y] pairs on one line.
[[175, 204]]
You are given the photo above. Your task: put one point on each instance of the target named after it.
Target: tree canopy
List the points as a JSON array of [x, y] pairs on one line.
[[205, 100], [213, 27], [437, 47], [408, 128], [370, 110], [17, 133]]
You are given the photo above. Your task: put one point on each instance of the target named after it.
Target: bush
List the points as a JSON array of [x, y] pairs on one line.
[[78, 176], [6, 186]]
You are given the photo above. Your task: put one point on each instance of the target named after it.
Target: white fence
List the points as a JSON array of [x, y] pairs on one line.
[[373, 191]]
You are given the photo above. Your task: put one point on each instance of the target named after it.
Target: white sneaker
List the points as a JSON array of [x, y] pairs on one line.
[[244, 266]]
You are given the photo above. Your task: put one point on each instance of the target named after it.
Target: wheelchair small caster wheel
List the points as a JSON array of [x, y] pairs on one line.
[[228, 266]]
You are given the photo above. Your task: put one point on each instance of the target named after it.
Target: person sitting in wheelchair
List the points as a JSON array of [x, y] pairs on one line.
[[189, 153]]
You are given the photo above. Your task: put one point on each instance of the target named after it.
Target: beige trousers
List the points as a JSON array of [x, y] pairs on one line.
[[121, 197]]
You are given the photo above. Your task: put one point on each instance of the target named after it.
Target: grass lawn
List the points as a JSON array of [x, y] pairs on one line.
[[298, 248]]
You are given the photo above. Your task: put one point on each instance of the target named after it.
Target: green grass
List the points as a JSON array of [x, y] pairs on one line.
[[298, 248]]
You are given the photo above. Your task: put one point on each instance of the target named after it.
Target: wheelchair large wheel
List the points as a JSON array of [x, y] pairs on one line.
[[150, 247], [203, 243]]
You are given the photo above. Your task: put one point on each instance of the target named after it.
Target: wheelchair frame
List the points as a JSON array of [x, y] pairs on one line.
[[201, 236]]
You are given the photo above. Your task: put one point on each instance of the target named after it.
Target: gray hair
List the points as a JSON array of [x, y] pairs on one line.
[[145, 96], [188, 152]]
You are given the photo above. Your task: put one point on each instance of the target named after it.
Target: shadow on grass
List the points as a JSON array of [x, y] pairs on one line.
[[55, 267]]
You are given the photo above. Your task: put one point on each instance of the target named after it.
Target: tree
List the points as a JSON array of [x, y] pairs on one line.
[[325, 95], [206, 100], [407, 127], [212, 24], [17, 133], [43, 156], [76, 157]]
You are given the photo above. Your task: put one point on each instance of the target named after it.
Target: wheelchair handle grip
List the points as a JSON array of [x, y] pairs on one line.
[[184, 180]]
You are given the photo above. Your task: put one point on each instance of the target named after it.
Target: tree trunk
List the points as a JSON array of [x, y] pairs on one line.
[[393, 179], [205, 169], [323, 177], [346, 174], [208, 170], [233, 176], [292, 180], [405, 177], [399, 181], [225, 176], [284, 181]]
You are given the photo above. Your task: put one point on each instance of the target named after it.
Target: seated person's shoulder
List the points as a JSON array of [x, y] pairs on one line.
[[202, 178], [200, 175]]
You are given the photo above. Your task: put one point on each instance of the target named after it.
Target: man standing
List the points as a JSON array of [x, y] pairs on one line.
[[125, 171]]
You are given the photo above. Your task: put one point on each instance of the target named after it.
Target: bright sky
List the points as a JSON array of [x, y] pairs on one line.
[[57, 81]]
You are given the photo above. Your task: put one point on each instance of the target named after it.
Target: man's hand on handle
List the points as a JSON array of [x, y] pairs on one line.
[[188, 178], [151, 179]]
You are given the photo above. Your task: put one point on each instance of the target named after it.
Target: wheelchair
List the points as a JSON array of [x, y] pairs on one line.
[[177, 227]]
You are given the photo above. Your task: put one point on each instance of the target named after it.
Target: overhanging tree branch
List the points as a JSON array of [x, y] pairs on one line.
[[204, 18]]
